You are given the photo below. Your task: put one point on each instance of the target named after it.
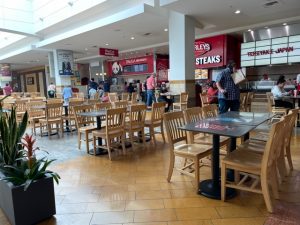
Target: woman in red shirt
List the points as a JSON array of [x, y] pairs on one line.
[[212, 93]]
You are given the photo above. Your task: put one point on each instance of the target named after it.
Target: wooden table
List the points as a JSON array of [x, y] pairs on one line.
[[230, 124]]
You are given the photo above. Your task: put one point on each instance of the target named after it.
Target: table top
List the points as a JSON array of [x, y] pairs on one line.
[[230, 124], [291, 97], [93, 113]]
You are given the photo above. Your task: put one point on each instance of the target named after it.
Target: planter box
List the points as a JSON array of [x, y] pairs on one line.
[[28, 207]]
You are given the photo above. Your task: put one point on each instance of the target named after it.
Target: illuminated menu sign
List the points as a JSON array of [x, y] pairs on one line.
[[271, 51]]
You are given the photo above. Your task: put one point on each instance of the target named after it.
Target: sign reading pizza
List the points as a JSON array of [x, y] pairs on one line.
[[209, 52]]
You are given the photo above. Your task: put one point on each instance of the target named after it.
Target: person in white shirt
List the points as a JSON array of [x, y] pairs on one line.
[[51, 90], [279, 92], [298, 79]]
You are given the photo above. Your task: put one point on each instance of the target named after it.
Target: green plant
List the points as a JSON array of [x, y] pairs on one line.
[[18, 161]]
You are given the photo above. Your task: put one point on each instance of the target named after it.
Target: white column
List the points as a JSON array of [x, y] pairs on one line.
[[181, 51]]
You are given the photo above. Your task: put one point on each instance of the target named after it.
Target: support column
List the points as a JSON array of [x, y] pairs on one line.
[[60, 80], [181, 51]]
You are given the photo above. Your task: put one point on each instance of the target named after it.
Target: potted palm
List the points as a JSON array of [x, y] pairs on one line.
[[26, 186]]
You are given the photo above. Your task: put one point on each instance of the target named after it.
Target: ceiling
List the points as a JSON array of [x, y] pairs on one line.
[[147, 27]]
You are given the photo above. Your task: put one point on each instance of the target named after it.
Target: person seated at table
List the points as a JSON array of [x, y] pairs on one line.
[[279, 92], [105, 97], [163, 96], [212, 93]]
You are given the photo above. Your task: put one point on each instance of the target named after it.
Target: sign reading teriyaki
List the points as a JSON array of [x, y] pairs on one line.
[[271, 51]]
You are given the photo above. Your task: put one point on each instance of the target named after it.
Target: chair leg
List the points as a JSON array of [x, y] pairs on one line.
[[79, 140], [108, 148], [197, 174], [289, 157], [162, 132], [153, 135], [223, 181], [171, 167], [123, 144], [131, 138], [266, 194], [49, 130], [274, 183], [87, 143], [62, 128], [94, 144], [143, 137]]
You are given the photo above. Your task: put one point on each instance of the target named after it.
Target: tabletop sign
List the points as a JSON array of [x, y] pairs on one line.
[[108, 52], [213, 126]]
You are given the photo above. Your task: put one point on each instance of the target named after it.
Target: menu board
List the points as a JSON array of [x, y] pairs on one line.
[[201, 74]]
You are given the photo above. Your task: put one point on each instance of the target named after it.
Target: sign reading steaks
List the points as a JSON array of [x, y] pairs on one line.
[[209, 52]]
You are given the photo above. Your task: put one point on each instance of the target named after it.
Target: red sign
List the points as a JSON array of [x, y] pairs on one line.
[[209, 52], [108, 52], [133, 66]]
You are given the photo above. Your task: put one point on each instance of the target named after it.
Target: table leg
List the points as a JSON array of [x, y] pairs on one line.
[[211, 188]]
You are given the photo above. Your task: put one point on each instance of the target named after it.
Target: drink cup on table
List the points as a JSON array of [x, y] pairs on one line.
[[295, 93]]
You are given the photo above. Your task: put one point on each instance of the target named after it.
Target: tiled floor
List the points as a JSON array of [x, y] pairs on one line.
[[132, 190]]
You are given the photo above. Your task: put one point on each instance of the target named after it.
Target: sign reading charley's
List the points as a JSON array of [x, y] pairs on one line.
[[209, 52]]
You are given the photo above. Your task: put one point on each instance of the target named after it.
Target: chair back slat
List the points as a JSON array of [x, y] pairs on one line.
[[172, 121], [113, 97], [121, 104], [210, 111], [54, 110], [204, 99], [103, 105], [36, 109], [193, 114], [157, 112], [125, 97], [83, 120], [115, 119], [137, 115]]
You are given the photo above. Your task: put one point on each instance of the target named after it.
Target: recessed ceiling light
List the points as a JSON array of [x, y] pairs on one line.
[[166, 29], [86, 49], [237, 11], [249, 30], [284, 24], [266, 27], [132, 38], [106, 44]]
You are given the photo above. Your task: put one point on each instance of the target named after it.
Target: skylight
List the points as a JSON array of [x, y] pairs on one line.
[[9, 38]]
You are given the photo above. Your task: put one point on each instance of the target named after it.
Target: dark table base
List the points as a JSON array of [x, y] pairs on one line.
[[208, 190], [99, 151]]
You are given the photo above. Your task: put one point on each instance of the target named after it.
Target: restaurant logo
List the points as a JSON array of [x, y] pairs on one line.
[[270, 51], [201, 48], [117, 69]]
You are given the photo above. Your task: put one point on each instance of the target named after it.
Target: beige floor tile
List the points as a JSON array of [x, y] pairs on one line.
[[78, 198], [144, 204], [191, 222], [71, 208], [71, 219], [106, 206], [161, 194], [112, 218], [155, 215], [151, 223], [184, 193], [117, 196], [183, 203], [196, 213], [144, 187], [176, 185], [152, 179], [236, 211], [239, 221]]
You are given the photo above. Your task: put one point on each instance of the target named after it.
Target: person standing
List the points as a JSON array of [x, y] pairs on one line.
[[7, 90], [229, 93], [150, 89], [92, 88], [212, 93], [51, 90], [67, 94]]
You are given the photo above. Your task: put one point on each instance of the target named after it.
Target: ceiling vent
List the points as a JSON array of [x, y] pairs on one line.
[[270, 3], [147, 34]]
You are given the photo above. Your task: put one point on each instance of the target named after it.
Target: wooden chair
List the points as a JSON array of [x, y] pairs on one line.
[[85, 125], [243, 101], [20, 108], [250, 96], [113, 97], [36, 111], [102, 106], [194, 115], [70, 117], [182, 104], [204, 99], [93, 101], [54, 100], [136, 123], [257, 143], [261, 168], [156, 120], [115, 123], [125, 96], [134, 98], [210, 111], [278, 111], [120, 104], [54, 112], [191, 152], [37, 99]]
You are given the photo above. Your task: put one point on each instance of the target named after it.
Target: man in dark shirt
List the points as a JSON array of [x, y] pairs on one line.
[[93, 84], [229, 93]]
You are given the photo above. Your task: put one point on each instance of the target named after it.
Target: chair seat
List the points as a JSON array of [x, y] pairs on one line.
[[149, 123], [36, 119], [261, 136], [87, 129], [192, 150], [245, 160], [133, 127], [102, 133], [54, 120], [207, 139]]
